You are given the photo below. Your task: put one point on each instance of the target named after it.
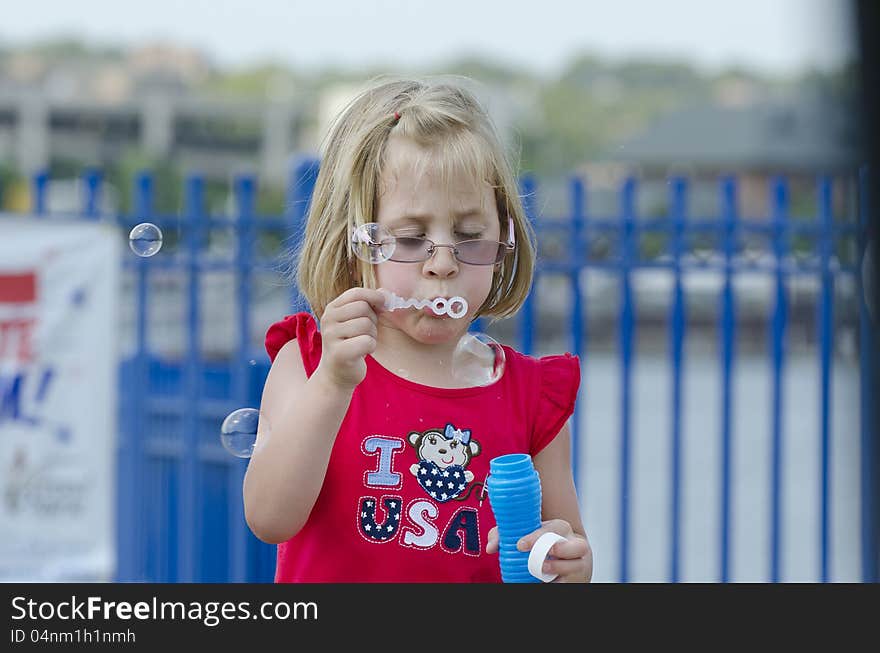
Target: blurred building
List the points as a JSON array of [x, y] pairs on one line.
[[92, 112], [755, 140]]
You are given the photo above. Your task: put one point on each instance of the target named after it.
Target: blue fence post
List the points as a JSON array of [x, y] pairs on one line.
[[91, 183], [245, 196], [40, 189], [867, 357], [576, 253], [477, 325], [628, 249], [301, 186], [144, 206], [528, 189], [678, 324], [189, 524], [825, 322], [729, 219], [779, 197], [132, 463]]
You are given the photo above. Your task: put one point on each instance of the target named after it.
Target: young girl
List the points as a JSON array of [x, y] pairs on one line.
[[359, 412]]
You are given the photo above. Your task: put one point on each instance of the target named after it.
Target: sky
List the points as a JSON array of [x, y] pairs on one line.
[[538, 35]]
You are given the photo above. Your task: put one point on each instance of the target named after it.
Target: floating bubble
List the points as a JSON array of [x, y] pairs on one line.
[[243, 432], [145, 239], [372, 243], [477, 360]]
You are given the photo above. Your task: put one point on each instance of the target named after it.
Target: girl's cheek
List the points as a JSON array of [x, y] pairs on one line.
[[398, 280], [482, 287]]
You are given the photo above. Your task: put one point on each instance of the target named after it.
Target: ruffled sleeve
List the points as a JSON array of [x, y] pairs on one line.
[[304, 329], [559, 378]]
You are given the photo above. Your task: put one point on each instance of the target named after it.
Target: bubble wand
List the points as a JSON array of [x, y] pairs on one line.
[[455, 307]]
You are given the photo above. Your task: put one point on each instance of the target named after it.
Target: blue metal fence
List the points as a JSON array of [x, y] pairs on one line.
[[180, 515]]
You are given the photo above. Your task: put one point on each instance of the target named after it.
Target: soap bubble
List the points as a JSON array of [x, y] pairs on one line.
[[243, 432], [477, 360], [145, 239], [372, 243]]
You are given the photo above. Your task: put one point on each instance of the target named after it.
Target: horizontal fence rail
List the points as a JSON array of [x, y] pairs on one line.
[[180, 515]]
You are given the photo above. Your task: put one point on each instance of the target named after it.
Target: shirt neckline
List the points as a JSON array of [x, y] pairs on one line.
[[377, 367]]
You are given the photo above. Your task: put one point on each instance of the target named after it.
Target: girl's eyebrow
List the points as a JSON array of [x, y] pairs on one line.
[[424, 218]]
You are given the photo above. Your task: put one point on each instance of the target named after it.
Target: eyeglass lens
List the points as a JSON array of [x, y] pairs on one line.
[[474, 252]]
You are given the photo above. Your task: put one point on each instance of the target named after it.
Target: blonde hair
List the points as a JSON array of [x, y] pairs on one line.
[[439, 115]]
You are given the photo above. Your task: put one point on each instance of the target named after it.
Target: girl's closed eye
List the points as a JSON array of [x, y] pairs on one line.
[[408, 234], [459, 235]]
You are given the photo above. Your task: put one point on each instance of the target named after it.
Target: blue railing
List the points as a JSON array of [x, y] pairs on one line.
[[180, 515]]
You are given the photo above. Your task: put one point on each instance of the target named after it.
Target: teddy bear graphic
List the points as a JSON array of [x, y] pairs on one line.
[[443, 459]]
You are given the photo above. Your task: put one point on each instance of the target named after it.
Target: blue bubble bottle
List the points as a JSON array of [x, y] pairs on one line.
[[514, 489]]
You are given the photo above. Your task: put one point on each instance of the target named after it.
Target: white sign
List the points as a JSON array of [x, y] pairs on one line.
[[59, 282]]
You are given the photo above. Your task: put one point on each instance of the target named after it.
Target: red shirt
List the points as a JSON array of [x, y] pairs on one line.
[[392, 508]]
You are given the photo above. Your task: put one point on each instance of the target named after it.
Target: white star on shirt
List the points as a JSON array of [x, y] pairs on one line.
[[423, 471], [434, 471], [390, 528], [368, 527], [393, 504], [457, 474], [445, 472], [443, 496], [428, 482]]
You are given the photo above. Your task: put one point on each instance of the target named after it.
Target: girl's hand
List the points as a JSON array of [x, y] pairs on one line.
[[574, 557], [348, 334]]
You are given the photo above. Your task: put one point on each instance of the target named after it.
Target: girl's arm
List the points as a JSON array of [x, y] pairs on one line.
[[286, 471], [304, 414], [561, 514], [558, 495]]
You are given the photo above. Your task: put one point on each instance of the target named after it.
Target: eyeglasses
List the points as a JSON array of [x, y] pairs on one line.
[[415, 249]]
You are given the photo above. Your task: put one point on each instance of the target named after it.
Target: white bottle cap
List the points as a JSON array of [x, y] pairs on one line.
[[539, 554]]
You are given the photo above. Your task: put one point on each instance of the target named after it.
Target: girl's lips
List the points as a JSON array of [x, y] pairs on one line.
[[430, 311]]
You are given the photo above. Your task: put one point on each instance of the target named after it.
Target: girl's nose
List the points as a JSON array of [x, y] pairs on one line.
[[442, 262]]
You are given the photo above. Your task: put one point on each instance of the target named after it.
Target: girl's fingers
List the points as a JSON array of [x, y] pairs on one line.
[[569, 571], [572, 548], [558, 526], [351, 328], [358, 346], [373, 297], [352, 310], [492, 540]]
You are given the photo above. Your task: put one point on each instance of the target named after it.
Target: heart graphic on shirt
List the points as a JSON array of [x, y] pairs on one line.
[[441, 484]]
